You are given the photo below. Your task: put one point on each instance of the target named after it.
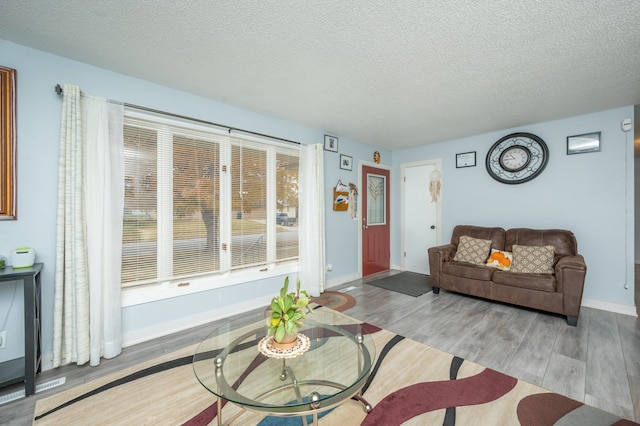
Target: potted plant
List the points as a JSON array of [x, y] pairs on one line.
[[287, 312]]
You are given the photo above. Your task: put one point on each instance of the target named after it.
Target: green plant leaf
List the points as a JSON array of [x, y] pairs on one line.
[[280, 332], [285, 288], [288, 301], [290, 326], [296, 316], [275, 307]]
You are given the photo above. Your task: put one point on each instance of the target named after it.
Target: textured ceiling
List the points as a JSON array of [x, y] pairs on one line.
[[393, 74]]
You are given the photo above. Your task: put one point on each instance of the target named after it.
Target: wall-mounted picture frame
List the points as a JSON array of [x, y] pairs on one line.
[[330, 143], [8, 142], [346, 162], [465, 159], [581, 144]]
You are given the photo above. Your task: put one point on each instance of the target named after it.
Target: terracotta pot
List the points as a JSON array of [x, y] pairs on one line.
[[290, 340]]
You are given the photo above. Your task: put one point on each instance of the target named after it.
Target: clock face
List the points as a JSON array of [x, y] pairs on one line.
[[517, 158]]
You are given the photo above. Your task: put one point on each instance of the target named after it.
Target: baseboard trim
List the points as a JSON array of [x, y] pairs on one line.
[[610, 306], [334, 282]]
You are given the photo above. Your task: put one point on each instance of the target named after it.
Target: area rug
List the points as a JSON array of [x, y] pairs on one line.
[[409, 283], [335, 300], [410, 384]]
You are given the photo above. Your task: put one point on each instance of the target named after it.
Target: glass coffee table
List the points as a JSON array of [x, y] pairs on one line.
[[330, 366]]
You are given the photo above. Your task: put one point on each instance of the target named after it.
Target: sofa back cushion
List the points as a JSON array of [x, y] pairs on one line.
[[496, 235], [564, 241]]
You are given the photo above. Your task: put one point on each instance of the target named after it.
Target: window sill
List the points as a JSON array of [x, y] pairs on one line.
[[153, 293]]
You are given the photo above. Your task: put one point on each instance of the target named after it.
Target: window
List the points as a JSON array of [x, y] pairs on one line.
[[201, 204]]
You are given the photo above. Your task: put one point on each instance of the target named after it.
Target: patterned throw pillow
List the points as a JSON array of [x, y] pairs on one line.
[[500, 259], [533, 259], [472, 250]]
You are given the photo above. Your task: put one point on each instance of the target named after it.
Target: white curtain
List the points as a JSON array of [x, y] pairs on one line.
[[89, 228], [104, 206], [311, 225]]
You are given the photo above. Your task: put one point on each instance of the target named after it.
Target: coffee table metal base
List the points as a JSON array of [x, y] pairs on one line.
[[314, 400]]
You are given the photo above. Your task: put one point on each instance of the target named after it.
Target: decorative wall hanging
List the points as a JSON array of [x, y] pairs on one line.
[[376, 157], [434, 185], [346, 162], [353, 200], [330, 143], [580, 144], [340, 197], [8, 187]]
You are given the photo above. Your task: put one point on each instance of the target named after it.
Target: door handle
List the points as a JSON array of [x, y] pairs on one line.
[[365, 227]]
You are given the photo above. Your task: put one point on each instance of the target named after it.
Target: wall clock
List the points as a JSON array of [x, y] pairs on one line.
[[517, 158]]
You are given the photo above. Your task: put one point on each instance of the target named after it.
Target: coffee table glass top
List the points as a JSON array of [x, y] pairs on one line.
[[334, 368]]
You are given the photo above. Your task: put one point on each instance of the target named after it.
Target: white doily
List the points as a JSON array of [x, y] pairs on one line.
[[266, 347]]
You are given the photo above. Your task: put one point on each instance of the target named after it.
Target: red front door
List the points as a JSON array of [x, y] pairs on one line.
[[376, 247]]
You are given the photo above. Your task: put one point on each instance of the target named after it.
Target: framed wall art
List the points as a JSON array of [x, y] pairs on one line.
[[8, 125], [330, 143], [346, 162], [466, 159], [580, 144]]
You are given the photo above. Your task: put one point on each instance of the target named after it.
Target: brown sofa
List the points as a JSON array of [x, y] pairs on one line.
[[558, 292]]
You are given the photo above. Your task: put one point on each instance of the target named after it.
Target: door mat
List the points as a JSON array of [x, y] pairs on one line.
[[409, 283]]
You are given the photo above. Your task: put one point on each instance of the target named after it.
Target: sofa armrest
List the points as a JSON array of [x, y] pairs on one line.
[[570, 275], [437, 257]]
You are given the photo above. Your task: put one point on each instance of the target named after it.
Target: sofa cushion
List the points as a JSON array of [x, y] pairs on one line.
[[472, 250], [533, 259], [467, 270], [564, 241], [540, 282], [496, 235], [500, 259]]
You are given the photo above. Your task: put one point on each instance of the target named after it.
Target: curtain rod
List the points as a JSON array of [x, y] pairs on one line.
[[59, 91]]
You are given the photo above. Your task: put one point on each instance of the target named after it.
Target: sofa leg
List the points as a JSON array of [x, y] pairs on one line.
[[436, 290], [572, 321]]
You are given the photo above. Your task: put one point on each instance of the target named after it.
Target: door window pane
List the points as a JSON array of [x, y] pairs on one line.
[[376, 207]]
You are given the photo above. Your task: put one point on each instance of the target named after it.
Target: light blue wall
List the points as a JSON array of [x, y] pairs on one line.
[[38, 141], [590, 194], [585, 193]]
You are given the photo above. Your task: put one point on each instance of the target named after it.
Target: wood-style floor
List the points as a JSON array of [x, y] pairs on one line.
[[597, 362]]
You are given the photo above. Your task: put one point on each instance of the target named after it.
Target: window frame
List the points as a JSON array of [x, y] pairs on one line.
[[227, 276]]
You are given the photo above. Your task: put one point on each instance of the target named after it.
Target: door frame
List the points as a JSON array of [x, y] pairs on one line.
[[362, 163], [437, 163]]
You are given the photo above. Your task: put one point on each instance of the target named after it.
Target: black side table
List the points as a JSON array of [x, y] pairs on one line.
[[25, 369]]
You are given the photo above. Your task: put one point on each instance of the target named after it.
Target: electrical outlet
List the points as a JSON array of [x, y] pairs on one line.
[[3, 339]]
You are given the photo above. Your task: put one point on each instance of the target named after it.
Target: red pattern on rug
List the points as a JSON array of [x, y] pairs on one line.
[[411, 401]]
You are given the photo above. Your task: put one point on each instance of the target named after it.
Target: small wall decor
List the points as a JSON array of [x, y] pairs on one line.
[[465, 159], [580, 144], [330, 143], [346, 162], [376, 157], [353, 200], [340, 197], [435, 185]]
